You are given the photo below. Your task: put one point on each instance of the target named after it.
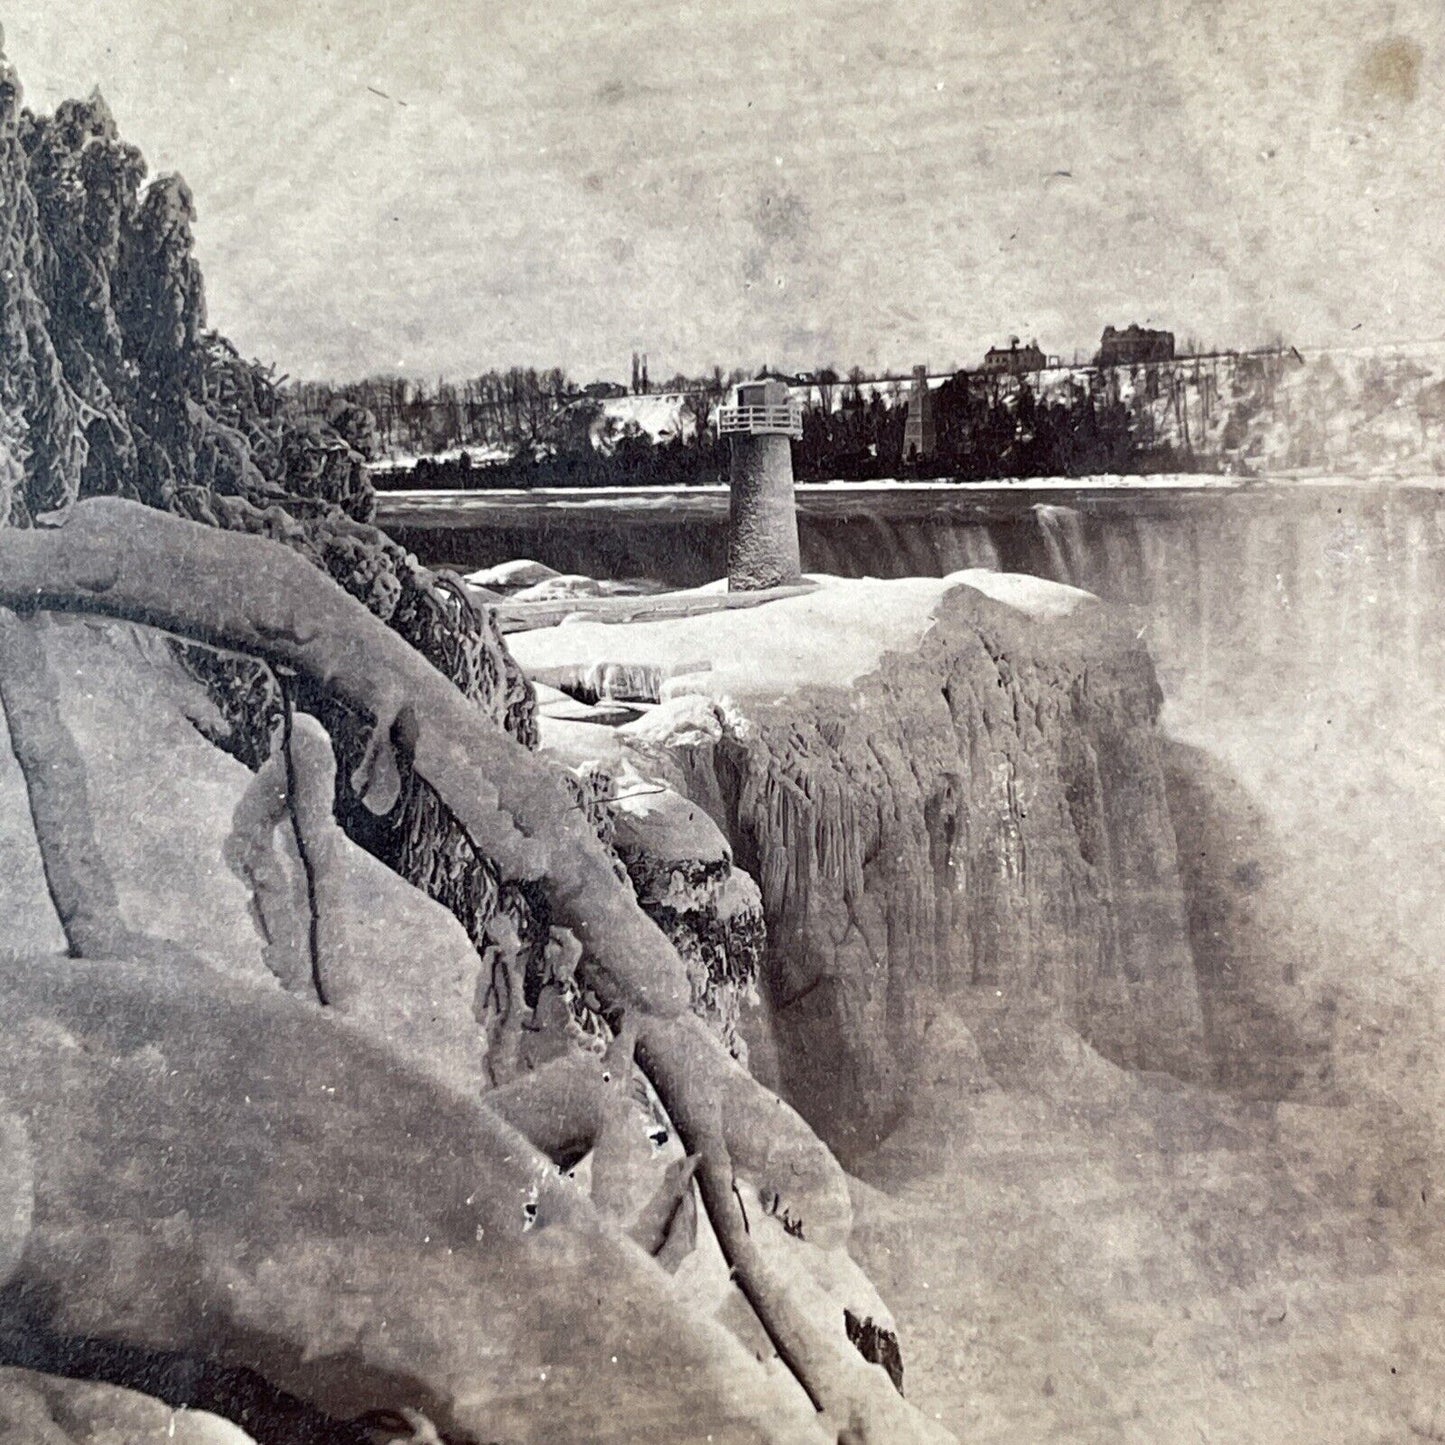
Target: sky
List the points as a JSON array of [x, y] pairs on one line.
[[437, 189]]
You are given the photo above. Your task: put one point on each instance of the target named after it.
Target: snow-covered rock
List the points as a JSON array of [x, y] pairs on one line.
[[227, 1172], [232, 1209], [509, 576], [682, 869], [559, 589], [945, 788]]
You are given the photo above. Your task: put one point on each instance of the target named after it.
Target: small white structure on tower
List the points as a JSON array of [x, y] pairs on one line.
[[760, 422]]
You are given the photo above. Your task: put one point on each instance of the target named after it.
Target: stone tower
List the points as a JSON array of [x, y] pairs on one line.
[[919, 439], [762, 516]]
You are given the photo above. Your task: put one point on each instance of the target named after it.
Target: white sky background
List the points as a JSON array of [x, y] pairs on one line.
[[878, 182]]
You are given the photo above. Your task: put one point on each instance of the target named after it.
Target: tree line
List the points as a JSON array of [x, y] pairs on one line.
[[984, 427], [518, 410]]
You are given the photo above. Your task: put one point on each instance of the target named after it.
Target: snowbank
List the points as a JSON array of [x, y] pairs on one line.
[[827, 638]]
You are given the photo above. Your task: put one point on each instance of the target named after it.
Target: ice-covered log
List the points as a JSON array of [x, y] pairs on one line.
[[162, 799], [123, 560], [769, 1145], [17, 1191], [857, 1395], [76, 873], [297, 886]]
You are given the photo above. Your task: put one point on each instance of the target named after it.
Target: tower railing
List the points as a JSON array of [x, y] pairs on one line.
[[785, 419]]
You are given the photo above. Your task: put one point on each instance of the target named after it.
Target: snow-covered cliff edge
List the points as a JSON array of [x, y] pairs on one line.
[[950, 791]]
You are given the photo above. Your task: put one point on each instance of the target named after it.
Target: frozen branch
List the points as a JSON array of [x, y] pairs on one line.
[[250, 595]]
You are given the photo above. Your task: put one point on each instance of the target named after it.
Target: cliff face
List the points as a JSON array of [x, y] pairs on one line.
[[966, 805], [1346, 412]]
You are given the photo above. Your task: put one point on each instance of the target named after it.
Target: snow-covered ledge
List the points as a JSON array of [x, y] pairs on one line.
[[948, 789]]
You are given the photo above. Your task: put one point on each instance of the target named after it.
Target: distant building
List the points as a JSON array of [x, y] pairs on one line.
[[604, 390], [919, 436], [1133, 346], [1014, 360]]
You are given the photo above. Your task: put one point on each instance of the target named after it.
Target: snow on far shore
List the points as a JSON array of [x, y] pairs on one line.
[[480, 454], [660, 416]]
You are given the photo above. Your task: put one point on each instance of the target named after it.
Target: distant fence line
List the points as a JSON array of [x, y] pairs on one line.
[[316, 398]]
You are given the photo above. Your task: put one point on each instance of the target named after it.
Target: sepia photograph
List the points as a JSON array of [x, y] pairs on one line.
[[722, 722]]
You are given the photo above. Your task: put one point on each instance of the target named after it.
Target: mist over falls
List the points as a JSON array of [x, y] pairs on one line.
[[1296, 636]]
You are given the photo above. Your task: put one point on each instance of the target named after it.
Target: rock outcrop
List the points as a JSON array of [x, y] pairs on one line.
[[945, 789]]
